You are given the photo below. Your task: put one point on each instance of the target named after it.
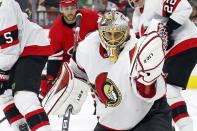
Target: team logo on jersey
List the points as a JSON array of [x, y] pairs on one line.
[[165, 75], [107, 91]]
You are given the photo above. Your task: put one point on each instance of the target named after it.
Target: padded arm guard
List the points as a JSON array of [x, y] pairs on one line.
[[66, 91]]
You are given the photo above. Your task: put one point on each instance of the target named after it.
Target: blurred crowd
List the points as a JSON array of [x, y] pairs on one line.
[[48, 10]]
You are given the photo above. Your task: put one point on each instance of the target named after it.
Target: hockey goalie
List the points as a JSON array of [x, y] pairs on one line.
[[125, 75]]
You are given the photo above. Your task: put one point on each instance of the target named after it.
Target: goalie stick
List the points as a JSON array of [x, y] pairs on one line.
[[66, 118], [2, 119], [77, 29]]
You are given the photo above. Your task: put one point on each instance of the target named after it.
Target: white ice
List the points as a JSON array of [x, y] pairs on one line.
[[85, 121]]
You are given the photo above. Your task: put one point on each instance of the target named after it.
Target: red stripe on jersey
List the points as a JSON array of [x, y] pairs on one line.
[[185, 45], [8, 107], [12, 28], [142, 30], [102, 52], [177, 104], [15, 119], [176, 4], [131, 53], [37, 50], [34, 113], [3, 46], [110, 128], [180, 117], [40, 125], [163, 11]]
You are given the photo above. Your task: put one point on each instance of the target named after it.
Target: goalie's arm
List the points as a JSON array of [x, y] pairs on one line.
[[149, 59]]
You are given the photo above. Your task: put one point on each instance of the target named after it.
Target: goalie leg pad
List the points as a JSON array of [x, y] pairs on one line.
[[67, 90]]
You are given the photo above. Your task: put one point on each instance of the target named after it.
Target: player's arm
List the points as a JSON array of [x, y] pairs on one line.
[[178, 11], [8, 41]]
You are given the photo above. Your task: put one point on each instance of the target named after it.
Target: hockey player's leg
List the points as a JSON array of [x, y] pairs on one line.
[[178, 69], [179, 108], [15, 119], [29, 105], [26, 79], [158, 118]]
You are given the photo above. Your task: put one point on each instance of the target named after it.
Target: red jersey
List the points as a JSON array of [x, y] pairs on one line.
[[62, 36]]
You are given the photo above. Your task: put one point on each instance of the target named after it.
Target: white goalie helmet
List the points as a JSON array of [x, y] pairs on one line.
[[113, 29]]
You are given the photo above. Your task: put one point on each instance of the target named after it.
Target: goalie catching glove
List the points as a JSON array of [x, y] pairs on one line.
[[66, 91], [149, 59], [150, 54]]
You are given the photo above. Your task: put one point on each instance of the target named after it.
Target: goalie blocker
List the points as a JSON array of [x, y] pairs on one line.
[[66, 91]]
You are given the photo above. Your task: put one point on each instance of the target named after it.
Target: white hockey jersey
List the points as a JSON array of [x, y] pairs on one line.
[[119, 106], [179, 10], [18, 36]]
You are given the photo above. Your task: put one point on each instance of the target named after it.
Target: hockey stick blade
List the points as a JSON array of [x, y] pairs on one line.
[[66, 118]]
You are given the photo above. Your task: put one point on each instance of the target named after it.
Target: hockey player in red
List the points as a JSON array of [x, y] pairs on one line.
[[24, 49], [62, 37], [125, 73], [181, 53]]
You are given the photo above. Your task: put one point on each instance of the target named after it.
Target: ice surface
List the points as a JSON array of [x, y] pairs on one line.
[[85, 121]]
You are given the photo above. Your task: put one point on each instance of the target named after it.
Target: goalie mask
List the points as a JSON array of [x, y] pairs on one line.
[[113, 30]]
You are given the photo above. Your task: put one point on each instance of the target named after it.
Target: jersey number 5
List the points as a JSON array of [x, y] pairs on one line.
[[8, 37]]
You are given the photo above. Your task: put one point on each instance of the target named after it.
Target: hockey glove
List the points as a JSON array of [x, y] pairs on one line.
[[150, 59], [46, 84], [4, 77]]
